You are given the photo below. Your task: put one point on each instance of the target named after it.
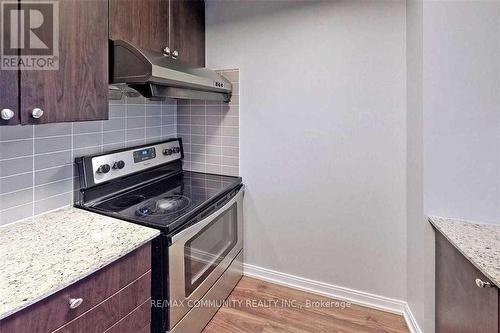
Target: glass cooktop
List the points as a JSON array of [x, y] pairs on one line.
[[166, 201]]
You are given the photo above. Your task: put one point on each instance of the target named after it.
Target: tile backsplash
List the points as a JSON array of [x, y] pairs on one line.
[[36, 162], [210, 132]]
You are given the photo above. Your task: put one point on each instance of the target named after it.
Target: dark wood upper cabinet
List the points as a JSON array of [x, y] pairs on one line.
[[156, 24], [9, 96], [188, 30], [78, 90], [462, 306], [9, 85], [143, 23]]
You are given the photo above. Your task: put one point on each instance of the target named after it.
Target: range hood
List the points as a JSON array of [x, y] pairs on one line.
[[155, 75]]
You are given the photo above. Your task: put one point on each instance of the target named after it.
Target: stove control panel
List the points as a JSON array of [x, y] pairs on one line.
[[144, 154], [131, 160]]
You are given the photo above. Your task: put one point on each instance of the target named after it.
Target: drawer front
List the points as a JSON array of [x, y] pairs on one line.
[[53, 312], [146, 329], [117, 307], [137, 321]]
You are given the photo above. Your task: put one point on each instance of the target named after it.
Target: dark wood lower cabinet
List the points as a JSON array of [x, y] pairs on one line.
[[111, 311], [115, 297], [146, 329], [137, 321], [461, 306]]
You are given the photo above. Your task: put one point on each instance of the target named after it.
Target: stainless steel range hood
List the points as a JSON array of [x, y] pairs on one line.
[[154, 75]]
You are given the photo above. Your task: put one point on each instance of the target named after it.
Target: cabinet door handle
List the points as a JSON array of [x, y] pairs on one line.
[[37, 113], [75, 302], [6, 114], [175, 54], [166, 51], [482, 284]]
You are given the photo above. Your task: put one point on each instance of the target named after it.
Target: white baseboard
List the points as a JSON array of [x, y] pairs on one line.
[[411, 321], [336, 292]]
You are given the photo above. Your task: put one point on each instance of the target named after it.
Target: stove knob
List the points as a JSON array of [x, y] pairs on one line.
[[119, 165], [168, 152], [104, 168], [176, 150]]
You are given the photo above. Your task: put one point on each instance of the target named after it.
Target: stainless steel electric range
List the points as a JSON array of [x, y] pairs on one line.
[[197, 259]]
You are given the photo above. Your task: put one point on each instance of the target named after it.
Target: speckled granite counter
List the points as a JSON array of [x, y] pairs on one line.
[[479, 243], [42, 255]]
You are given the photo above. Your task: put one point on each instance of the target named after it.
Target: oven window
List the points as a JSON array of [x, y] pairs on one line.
[[204, 251]]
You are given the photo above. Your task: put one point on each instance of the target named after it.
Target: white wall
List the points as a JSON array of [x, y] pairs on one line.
[[453, 124], [323, 136], [462, 109], [420, 236], [415, 173]]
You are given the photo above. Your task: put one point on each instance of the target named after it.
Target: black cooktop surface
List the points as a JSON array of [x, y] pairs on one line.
[[168, 202]]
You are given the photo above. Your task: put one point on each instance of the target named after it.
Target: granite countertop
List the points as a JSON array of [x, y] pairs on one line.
[[42, 255], [478, 242]]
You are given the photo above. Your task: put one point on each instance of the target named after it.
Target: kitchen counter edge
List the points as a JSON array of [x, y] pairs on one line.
[[478, 242], [126, 237]]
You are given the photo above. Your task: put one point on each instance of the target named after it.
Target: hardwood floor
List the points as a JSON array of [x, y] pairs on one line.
[[256, 306]]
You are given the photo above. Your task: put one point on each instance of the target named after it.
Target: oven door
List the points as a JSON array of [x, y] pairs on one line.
[[200, 254]]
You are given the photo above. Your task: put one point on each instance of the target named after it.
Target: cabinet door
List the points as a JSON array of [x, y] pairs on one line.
[[188, 30], [461, 306], [78, 89], [8, 95], [143, 23], [9, 82]]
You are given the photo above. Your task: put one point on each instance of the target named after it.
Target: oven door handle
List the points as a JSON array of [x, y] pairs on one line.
[[194, 229]]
